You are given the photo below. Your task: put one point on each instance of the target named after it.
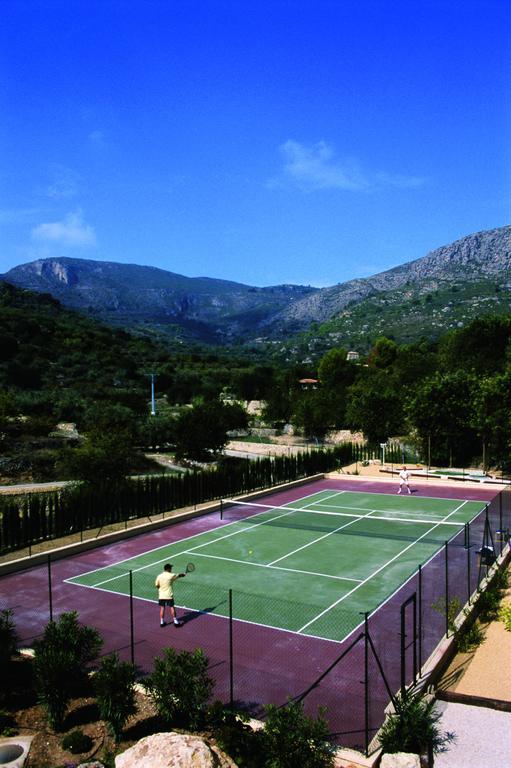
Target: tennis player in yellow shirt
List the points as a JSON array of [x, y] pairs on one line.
[[164, 583]]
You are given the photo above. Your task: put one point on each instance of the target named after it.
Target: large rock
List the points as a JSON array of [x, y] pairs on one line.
[[173, 750], [400, 760]]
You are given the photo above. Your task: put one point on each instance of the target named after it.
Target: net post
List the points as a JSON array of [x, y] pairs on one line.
[[231, 653], [132, 632], [447, 589], [50, 596]]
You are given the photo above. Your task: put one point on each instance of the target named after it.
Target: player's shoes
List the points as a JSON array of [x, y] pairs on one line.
[[163, 623], [178, 623]]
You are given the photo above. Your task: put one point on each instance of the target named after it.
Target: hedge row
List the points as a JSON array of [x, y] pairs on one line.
[[26, 520]]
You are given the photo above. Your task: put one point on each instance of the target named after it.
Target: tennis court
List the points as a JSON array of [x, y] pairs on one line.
[[311, 566]]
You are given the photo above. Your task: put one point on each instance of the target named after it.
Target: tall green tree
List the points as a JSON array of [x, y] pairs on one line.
[[202, 430], [481, 347], [336, 374], [375, 406], [442, 412], [492, 419]]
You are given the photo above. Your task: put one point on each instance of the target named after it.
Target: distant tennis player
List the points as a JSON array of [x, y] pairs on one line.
[[164, 583], [404, 477]]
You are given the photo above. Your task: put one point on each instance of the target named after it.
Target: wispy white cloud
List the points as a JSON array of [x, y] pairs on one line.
[[97, 138], [64, 185], [71, 231], [317, 167], [20, 215]]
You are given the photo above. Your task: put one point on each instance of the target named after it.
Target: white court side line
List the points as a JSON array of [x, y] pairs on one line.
[[275, 567], [372, 575], [192, 549], [194, 536], [310, 543]]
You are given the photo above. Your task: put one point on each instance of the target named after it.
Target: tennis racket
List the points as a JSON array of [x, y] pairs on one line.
[[189, 568]]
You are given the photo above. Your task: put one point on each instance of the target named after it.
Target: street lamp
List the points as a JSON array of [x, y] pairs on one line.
[[153, 405]]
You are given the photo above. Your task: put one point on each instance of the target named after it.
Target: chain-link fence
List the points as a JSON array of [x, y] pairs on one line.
[[355, 673]]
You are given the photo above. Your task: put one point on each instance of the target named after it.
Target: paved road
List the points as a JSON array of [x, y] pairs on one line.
[[483, 737], [27, 487]]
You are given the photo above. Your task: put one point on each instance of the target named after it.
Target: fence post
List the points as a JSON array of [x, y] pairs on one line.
[[467, 546], [366, 682], [420, 620], [50, 596], [231, 655], [132, 628], [501, 525], [447, 589]]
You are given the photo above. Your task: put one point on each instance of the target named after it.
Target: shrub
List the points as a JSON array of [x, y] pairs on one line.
[[114, 684], [180, 687], [7, 724], [413, 726], [60, 663], [8, 640], [469, 637], [291, 739], [77, 742], [488, 603], [505, 615], [235, 736]]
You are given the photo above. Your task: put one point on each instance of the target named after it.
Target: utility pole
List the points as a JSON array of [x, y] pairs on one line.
[[153, 405]]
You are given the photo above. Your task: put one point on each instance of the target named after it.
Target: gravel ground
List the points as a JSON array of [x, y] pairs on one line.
[[482, 737]]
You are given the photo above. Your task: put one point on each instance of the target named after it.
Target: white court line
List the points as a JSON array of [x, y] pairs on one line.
[[202, 533], [310, 543], [375, 573], [188, 549], [275, 567]]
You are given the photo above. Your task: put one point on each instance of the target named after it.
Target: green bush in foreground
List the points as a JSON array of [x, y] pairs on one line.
[[234, 735], [413, 726], [291, 739], [180, 687], [114, 684], [77, 742], [60, 663], [8, 640]]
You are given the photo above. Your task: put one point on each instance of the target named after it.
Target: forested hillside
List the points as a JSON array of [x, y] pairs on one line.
[[451, 399]]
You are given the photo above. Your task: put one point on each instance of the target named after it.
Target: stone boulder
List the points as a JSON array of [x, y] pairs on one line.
[[173, 750], [400, 760]]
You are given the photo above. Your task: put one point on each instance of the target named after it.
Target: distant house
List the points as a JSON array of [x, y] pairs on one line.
[[308, 383], [353, 356]]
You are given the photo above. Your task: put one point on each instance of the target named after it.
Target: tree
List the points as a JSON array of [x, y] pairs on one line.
[[375, 406], [442, 411], [314, 414], [492, 417], [383, 354], [336, 374], [202, 430], [481, 347]]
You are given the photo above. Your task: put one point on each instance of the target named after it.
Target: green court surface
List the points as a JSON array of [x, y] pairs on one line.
[[311, 566]]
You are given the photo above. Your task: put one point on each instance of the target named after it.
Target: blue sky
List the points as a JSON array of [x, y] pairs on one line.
[[277, 141]]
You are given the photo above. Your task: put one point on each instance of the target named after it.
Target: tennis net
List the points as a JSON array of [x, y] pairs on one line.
[[342, 522]]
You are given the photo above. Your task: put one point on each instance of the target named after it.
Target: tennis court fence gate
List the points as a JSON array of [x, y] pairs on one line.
[[355, 678]]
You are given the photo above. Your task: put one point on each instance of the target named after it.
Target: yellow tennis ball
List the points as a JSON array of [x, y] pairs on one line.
[[250, 552]]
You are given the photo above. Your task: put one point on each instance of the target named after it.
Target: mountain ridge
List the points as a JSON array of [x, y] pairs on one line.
[[224, 311]]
